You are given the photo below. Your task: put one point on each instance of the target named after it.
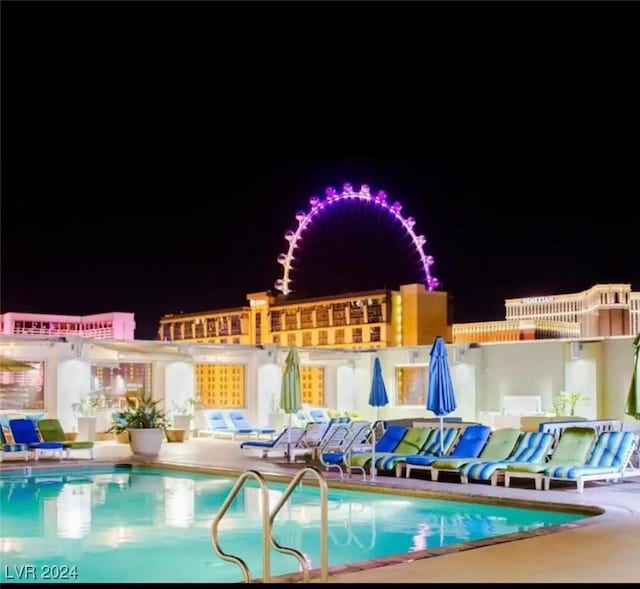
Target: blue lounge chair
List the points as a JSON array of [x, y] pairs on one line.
[[532, 447], [608, 460], [388, 442], [13, 449], [239, 420], [431, 447], [287, 439], [24, 431], [217, 425], [470, 444]]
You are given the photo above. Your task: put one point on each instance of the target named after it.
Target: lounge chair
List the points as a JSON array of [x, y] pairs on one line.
[[310, 440], [51, 431], [499, 446], [12, 449], [531, 447], [469, 446], [411, 443], [432, 447], [217, 426], [572, 448], [609, 459], [284, 442], [318, 416], [24, 431], [386, 443], [360, 438], [239, 420]]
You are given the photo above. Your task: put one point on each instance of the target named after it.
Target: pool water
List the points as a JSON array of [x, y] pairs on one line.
[[142, 525]]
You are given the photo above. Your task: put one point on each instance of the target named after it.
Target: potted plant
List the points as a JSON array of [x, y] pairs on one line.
[[144, 421], [85, 411]]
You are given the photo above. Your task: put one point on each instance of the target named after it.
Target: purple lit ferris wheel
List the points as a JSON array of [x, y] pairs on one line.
[[332, 198]]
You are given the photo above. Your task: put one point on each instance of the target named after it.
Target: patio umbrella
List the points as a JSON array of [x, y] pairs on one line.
[[441, 399], [633, 400], [8, 364], [378, 395], [290, 391]]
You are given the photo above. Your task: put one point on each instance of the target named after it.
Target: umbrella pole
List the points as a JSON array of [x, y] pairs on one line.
[[289, 440], [441, 436]]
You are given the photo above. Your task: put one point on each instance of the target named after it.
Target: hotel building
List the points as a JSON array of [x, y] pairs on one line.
[[410, 316], [119, 326], [604, 310]]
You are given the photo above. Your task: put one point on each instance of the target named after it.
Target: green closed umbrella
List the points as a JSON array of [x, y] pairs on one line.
[[291, 389], [633, 405]]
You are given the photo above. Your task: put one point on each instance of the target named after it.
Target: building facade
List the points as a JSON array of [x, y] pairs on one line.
[[409, 316], [604, 310], [118, 326]]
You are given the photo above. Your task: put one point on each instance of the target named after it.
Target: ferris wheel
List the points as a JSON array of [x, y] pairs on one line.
[[333, 198]]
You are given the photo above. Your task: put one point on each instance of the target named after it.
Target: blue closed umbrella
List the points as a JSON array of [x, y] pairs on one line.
[[441, 399], [378, 395]]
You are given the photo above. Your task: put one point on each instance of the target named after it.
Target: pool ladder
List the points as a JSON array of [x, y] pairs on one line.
[[267, 525]]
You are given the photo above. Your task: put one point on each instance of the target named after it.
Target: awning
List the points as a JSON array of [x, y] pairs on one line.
[[144, 352]]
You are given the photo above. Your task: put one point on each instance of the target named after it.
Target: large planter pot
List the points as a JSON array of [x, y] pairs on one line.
[[146, 442]]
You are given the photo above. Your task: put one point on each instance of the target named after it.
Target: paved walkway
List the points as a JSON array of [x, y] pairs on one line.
[[606, 549]]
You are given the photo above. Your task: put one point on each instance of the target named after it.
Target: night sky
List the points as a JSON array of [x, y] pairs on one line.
[[154, 154]]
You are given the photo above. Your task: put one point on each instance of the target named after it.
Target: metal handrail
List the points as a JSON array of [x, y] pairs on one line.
[[266, 526], [324, 524]]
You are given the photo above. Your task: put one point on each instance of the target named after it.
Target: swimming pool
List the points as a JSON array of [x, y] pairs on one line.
[[150, 525]]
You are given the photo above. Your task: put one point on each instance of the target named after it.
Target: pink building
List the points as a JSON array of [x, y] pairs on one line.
[[117, 326]]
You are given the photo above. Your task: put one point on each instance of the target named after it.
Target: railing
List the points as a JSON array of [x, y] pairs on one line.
[[324, 524], [267, 525]]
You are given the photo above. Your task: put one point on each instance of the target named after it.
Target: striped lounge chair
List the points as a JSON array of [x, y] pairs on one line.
[[430, 448], [386, 443], [499, 446], [531, 447], [572, 448], [414, 441], [469, 446], [609, 459], [14, 449]]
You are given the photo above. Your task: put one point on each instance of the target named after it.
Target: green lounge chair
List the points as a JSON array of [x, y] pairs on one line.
[[572, 448], [51, 431], [412, 443], [531, 447], [431, 447], [499, 447], [610, 457]]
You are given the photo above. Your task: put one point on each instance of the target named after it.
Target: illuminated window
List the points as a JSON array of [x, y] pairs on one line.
[[323, 337], [374, 334], [291, 339], [312, 385], [339, 336], [307, 338], [411, 384], [220, 385]]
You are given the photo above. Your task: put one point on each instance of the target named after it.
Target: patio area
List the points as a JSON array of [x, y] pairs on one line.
[[604, 549]]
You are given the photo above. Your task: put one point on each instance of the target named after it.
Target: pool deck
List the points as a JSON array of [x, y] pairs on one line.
[[604, 548]]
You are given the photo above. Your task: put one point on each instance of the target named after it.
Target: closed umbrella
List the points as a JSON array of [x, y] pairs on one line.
[[291, 390], [8, 364], [378, 395], [633, 403], [441, 399]]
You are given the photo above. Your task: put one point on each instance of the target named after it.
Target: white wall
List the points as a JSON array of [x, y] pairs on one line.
[[74, 382], [179, 384], [617, 356], [268, 387], [521, 368]]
